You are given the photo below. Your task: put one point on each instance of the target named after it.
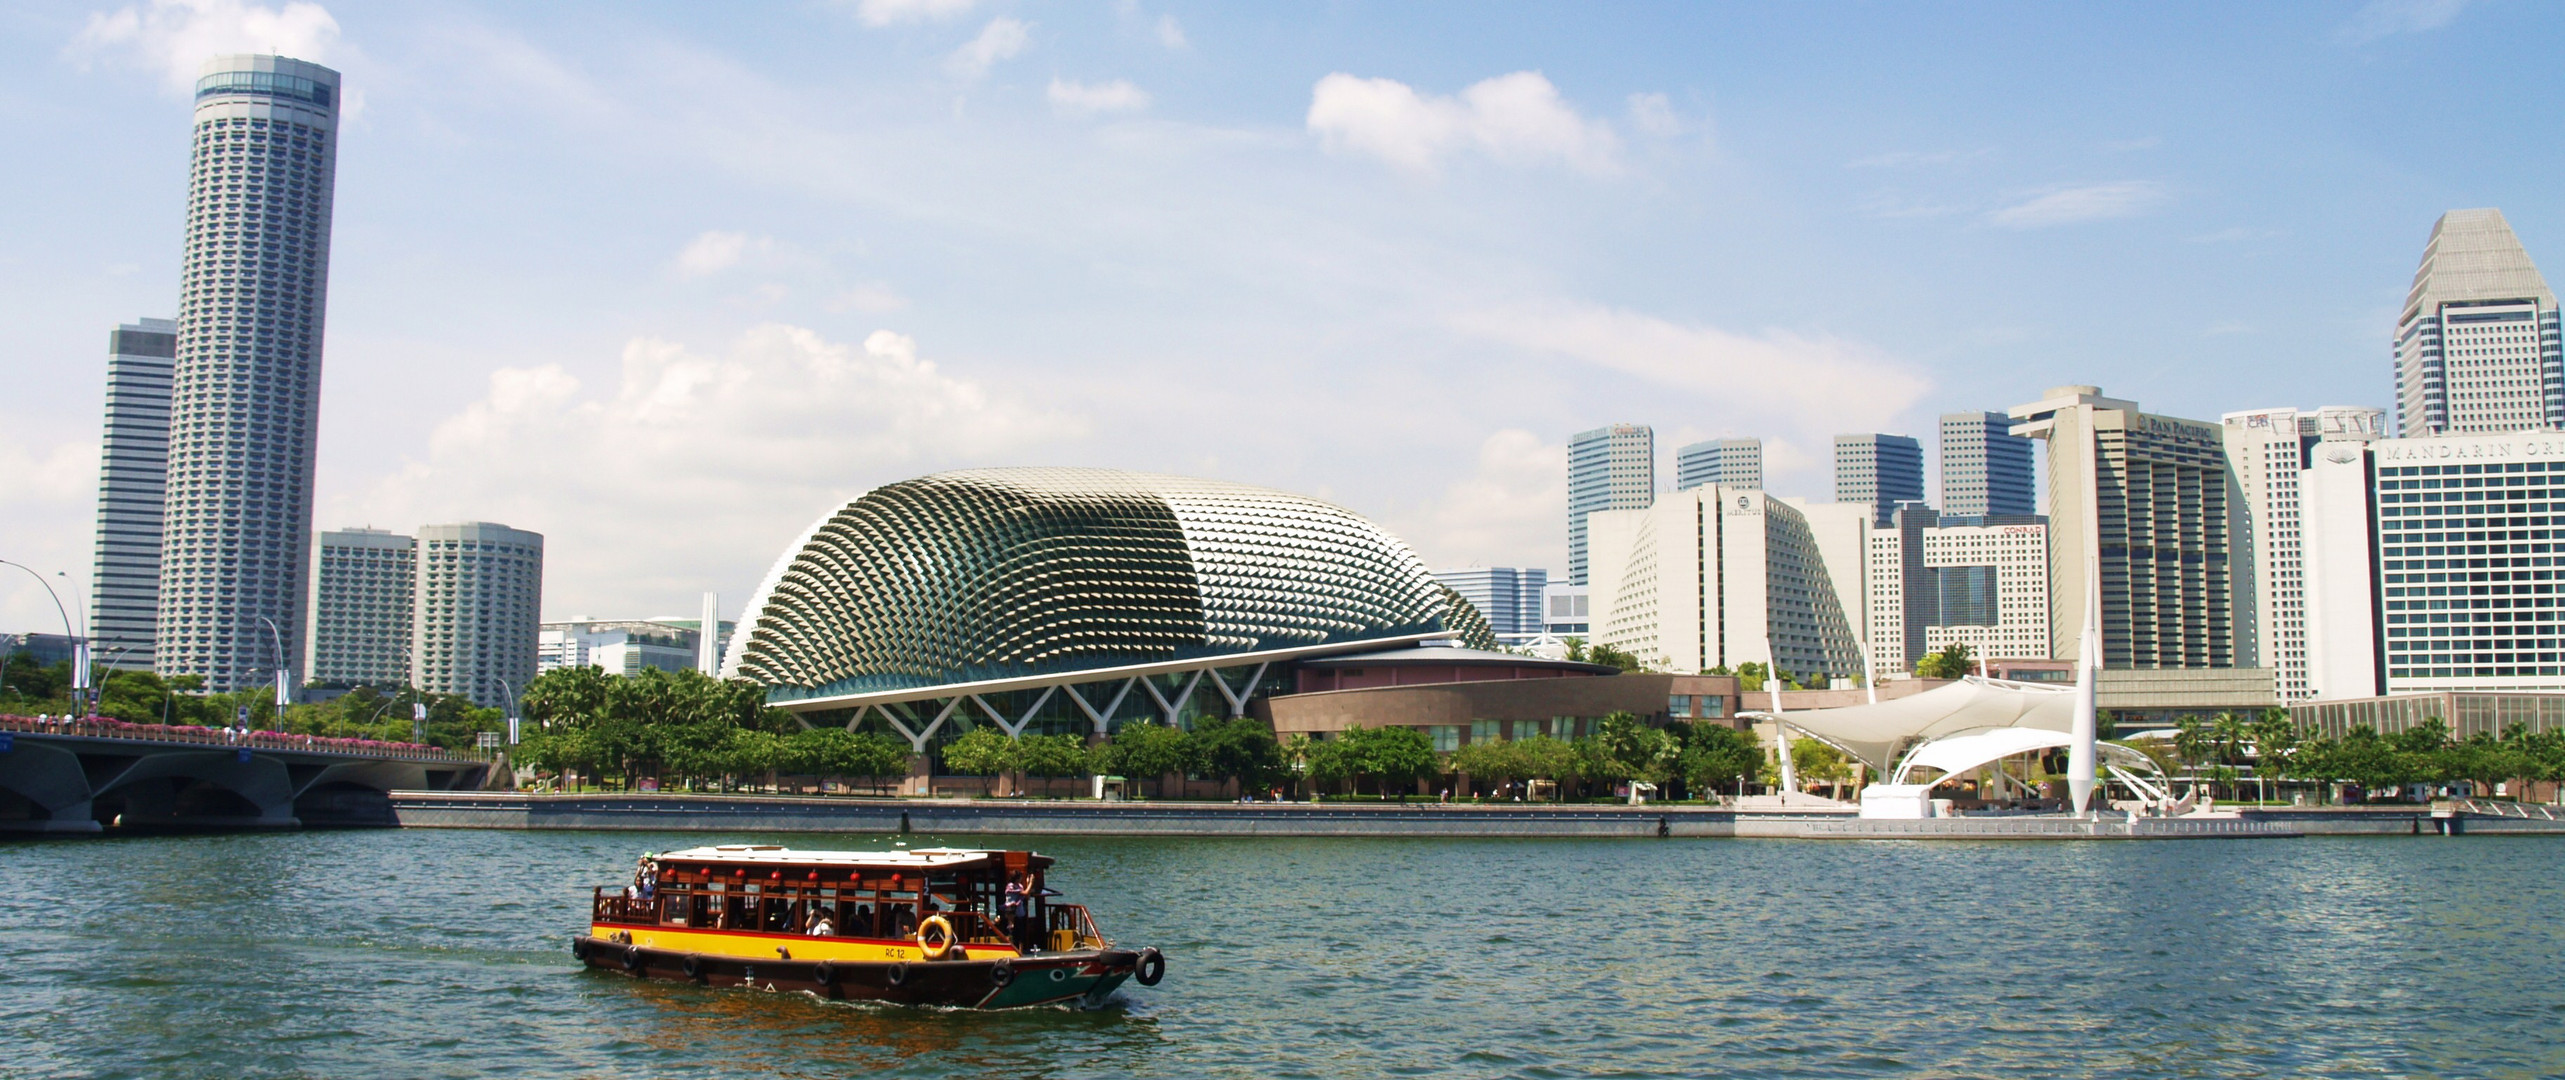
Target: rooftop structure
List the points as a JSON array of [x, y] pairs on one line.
[[969, 587], [2476, 345]]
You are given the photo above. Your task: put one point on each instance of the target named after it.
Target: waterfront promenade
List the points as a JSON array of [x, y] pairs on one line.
[[661, 812]]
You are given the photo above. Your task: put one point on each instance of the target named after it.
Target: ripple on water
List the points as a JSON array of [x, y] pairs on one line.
[[441, 954]]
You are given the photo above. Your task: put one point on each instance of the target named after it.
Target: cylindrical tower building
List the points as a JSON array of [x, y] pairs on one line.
[[245, 394]]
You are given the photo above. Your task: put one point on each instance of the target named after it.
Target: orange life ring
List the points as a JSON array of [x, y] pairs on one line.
[[943, 932]]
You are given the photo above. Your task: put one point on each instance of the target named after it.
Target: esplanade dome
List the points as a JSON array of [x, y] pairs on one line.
[[1000, 574]]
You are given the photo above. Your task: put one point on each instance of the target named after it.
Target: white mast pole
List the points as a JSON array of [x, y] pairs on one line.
[[708, 636], [2082, 755], [1780, 730]]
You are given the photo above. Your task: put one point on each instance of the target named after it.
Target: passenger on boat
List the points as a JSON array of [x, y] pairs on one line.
[[819, 924]]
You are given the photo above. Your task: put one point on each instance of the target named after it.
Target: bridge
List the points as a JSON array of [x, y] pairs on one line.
[[89, 775]]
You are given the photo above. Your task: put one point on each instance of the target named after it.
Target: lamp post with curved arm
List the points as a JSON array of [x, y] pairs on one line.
[[511, 709], [79, 655], [277, 638]]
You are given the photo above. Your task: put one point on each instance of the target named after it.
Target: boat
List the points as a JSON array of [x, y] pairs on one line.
[[953, 927]]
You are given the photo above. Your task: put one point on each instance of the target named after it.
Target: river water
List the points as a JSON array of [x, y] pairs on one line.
[[436, 953]]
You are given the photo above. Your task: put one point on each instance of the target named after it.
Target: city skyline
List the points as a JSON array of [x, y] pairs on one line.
[[770, 285]]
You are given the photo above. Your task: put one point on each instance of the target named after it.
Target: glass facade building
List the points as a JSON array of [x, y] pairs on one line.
[[1986, 469], [2468, 566], [1609, 468], [1736, 463], [133, 473], [1879, 471]]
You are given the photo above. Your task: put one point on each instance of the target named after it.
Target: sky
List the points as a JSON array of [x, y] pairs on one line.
[[666, 282]]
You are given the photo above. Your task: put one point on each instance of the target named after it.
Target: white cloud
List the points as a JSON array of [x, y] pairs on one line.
[[889, 12], [2387, 18], [716, 251], [1087, 99], [1509, 511], [1001, 39], [1778, 377], [1170, 34], [1517, 117], [695, 468], [175, 37], [2090, 202], [1652, 114]]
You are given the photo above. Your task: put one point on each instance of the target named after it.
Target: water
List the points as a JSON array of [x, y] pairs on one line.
[[433, 954]]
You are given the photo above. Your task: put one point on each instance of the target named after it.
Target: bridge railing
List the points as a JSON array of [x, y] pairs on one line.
[[103, 728]]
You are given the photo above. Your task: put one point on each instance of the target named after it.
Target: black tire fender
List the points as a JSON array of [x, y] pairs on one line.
[[579, 949], [1002, 973], [825, 974], [632, 958], [693, 966], [898, 973], [1151, 968]]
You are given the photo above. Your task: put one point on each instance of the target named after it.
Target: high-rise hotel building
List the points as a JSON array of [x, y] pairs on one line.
[[362, 614], [2291, 582], [246, 386], [1609, 468], [479, 620], [133, 467], [2476, 345], [2147, 503]]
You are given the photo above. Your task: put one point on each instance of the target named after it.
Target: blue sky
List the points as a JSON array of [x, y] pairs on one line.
[[666, 282]]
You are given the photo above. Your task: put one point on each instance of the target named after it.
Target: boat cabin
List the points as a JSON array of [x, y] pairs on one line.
[[989, 898]]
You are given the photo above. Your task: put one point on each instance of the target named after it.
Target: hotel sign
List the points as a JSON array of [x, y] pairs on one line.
[[2508, 448]]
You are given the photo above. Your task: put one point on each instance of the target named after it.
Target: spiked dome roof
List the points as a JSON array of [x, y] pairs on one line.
[[994, 574]]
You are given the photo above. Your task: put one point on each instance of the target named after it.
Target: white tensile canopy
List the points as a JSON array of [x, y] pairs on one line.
[[1955, 754], [1874, 732]]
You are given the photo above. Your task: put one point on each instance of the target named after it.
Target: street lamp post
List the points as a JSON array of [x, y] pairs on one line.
[[512, 707], [277, 639], [79, 654]]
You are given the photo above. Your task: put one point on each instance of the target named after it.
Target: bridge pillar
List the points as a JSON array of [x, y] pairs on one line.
[[43, 789]]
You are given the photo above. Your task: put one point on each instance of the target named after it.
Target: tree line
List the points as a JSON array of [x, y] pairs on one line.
[[2221, 748]]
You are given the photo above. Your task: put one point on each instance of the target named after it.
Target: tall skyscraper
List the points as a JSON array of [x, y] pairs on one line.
[[1986, 469], [2271, 451], [133, 468], [1609, 468], [1879, 471], [1736, 463], [2476, 346], [364, 595], [246, 386], [2148, 503], [479, 611]]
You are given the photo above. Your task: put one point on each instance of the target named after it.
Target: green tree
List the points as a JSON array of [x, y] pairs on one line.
[[1241, 749], [1149, 752], [984, 752], [1716, 755], [1633, 751], [1051, 756], [1819, 762], [1605, 654], [1955, 660], [1545, 757], [1493, 763], [1391, 755], [1751, 676]]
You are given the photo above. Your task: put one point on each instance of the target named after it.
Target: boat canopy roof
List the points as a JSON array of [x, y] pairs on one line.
[[908, 859]]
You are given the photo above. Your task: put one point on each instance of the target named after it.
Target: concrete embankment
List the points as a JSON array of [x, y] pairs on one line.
[[754, 813]]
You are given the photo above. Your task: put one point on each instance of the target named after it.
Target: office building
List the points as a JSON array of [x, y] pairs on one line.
[[2476, 345], [1567, 610], [1609, 468], [1715, 577], [2148, 503], [1508, 597], [245, 386], [2270, 452], [2465, 569], [620, 646], [480, 594], [133, 469], [360, 617], [1986, 469], [1937, 580], [1878, 471], [1736, 463]]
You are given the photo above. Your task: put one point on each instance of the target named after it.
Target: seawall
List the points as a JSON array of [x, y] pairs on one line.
[[787, 814]]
